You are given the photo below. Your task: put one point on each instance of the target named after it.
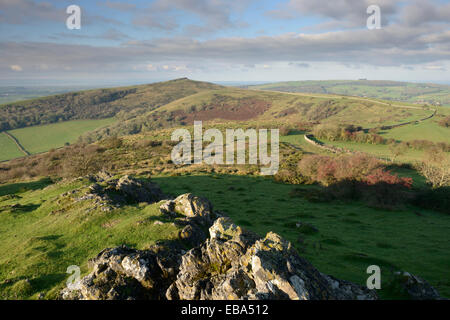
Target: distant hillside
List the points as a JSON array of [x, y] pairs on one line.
[[45, 123], [97, 104], [228, 104], [421, 93], [10, 94]]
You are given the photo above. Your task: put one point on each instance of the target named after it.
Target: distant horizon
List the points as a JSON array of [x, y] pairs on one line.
[[29, 83]]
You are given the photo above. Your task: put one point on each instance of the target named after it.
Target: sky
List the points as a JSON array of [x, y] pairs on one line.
[[128, 42]]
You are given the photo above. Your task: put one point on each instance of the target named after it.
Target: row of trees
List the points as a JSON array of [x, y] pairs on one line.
[[95, 104]]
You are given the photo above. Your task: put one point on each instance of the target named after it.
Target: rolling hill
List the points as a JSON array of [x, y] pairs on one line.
[[420, 93], [97, 103], [234, 104], [45, 123]]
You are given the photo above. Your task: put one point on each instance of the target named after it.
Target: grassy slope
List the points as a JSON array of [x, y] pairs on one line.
[[43, 138], [39, 246], [358, 111], [8, 149]]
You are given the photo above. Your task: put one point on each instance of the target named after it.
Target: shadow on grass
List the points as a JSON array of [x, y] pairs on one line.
[[47, 281], [20, 187]]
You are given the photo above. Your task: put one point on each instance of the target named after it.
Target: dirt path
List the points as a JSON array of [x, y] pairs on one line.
[[21, 148]]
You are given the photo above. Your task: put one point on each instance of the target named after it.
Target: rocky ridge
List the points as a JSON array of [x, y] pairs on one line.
[[226, 262]]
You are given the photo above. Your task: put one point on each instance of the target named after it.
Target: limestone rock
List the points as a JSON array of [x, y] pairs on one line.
[[139, 191], [232, 263], [415, 287], [193, 206], [109, 192], [124, 273]]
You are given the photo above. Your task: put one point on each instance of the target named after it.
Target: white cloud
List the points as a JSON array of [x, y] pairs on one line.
[[434, 67], [16, 67]]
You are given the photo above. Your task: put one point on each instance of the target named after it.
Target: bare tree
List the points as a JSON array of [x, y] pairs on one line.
[[397, 149], [436, 168]]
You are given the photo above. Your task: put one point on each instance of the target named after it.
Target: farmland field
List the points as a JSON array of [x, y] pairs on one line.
[[8, 149], [43, 138]]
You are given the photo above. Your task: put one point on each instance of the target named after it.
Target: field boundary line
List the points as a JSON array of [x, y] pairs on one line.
[[330, 95], [311, 139], [21, 148]]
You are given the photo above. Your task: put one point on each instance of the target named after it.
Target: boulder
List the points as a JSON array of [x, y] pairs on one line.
[[193, 207], [106, 191], [415, 287], [128, 274], [138, 191]]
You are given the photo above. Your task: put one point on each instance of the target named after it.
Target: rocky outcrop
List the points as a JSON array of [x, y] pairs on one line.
[[235, 264], [106, 190], [230, 263], [138, 190], [194, 214], [124, 273], [415, 287]]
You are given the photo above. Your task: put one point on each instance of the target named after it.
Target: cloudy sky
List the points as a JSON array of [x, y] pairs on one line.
[[222, 40]]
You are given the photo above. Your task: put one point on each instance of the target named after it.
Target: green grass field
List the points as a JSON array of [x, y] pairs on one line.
[[8, 149], [43, 138], [39, 246], [38, 240], [378, 150], [426, 130]]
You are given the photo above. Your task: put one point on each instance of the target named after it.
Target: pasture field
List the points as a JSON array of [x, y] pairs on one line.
[[38, 139], [8, 149], [39, 245]]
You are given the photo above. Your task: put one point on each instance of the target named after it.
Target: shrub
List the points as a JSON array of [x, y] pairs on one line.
[[445, 122], [385, 177], [112, 142], [327, 170], [291, 177], [397, 149], [284, 131], [437, 199], [435, 167]]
